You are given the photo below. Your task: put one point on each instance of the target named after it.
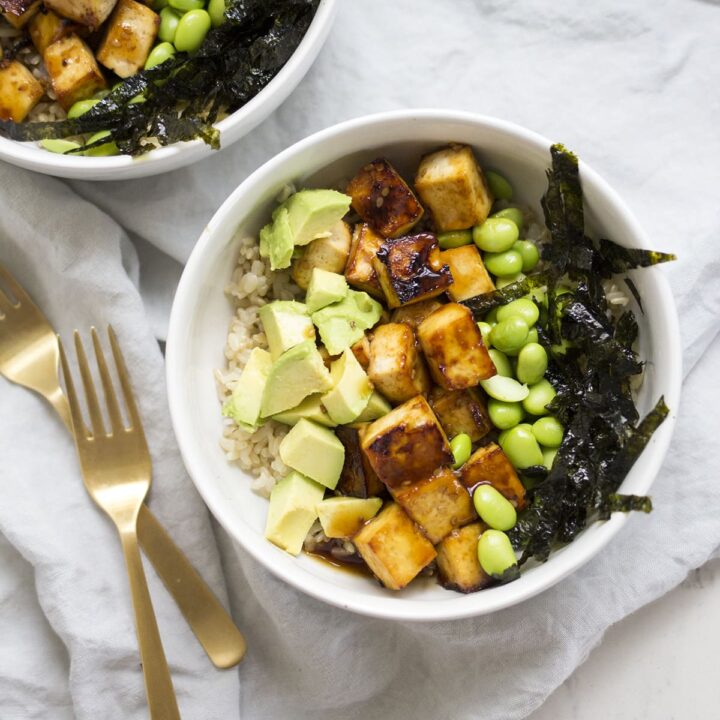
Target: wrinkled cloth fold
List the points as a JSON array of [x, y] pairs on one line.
[[630, 88]]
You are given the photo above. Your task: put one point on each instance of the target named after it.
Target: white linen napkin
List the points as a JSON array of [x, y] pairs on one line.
[[630, 87]]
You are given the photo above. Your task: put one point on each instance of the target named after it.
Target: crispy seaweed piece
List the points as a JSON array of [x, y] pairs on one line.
[[481, 304], [185, 95]]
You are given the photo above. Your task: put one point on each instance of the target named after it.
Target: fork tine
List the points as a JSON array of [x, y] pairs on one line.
[[90, 394], [14, 285], [116, 421], [124, 376], [78, 423]]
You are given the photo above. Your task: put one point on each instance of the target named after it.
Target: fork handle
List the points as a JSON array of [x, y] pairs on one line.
[[158, 684]]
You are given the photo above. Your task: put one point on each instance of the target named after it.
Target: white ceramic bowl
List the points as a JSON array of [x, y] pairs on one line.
[[123, 167], [201, 316]]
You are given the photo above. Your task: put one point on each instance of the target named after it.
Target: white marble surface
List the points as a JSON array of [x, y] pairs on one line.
[[658, 664]]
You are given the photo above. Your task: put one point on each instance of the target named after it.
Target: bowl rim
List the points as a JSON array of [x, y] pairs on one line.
[[562, 563], [164, 159]]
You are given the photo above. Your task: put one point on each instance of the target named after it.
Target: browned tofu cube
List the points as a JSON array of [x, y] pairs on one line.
[[470, 278], [19, 12], [453, 187], [73, 71], [359, 271], [457, 560], [357, 479], [410, 270], [406, 445], [47, 27], [415, 313], [490, 465], [453, 348], [393, 547], [396, 366], [91, 13], [361, 351], [461, 411], [383, 199], [438, 504], [19, 91], [130, 35], [326, 253]]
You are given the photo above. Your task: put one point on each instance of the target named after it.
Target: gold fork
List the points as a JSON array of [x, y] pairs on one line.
[[29, 356], [116, 469]]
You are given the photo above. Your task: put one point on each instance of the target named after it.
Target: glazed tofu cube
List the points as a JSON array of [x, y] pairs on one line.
[[457, 560], [393, 547], [130, 35], [438, 504], [326, 253], [357, 479], [383, 199], [410, 270], [359, 271], [73, 71], [453, 187], [91, 13], [490, 465], [461, 411], [396, 366], [406, 445], [415, 313], [453, 348], [19, 13], [361, 351], [470, 278], [19, 91], [47, 27]]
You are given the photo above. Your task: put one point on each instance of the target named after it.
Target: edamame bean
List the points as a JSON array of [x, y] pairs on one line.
[[539, 395], [159, 54], [524, 308], [509, 334], [485, 329], [169, 20], [191, 30], [548, 431], [503, 264], [502, 364], [532, 363], [81, 107], [461, 448], [454, 239], [216, 9], [494, 509], [549, 457], [56, 145], [495, 235], [505, 281], [499, 186], [505, 415], [491, 316], [495, 553], [532, 336], [529, 253], [511, 213], [186, 5], [104, 150], [521, 447], [504, 388]]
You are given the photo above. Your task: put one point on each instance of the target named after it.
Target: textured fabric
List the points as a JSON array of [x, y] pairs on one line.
[[631, 88]]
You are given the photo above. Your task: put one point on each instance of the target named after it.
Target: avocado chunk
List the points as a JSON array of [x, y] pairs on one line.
[[325, 288], [344, 323], [286, 323], [377, 407], [351, 389], [244, 404], [311, 408], [342, 517], [314, 451], [292, 511], [312, 212], [276, 240], [297, 373]]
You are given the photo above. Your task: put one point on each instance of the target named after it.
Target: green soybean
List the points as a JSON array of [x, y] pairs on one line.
[[521, 447], [191, 30], [56, 145], [495, 235], [485, 329], [504, 388], [454, 239], [186, 5], [104, 150], [494, 509], [495, 553], [532, 363], [548, 431], [511, 213], [169, 21], [502, 364], [532, 336], [524, 308], [159, 54], [491, 316], [216, 9], [461, 448], [503, 264], [539, 395], [510, 334], [505, 415], [499, 186], [529, 253], [505, 281], [81, 107], [549, 457]]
